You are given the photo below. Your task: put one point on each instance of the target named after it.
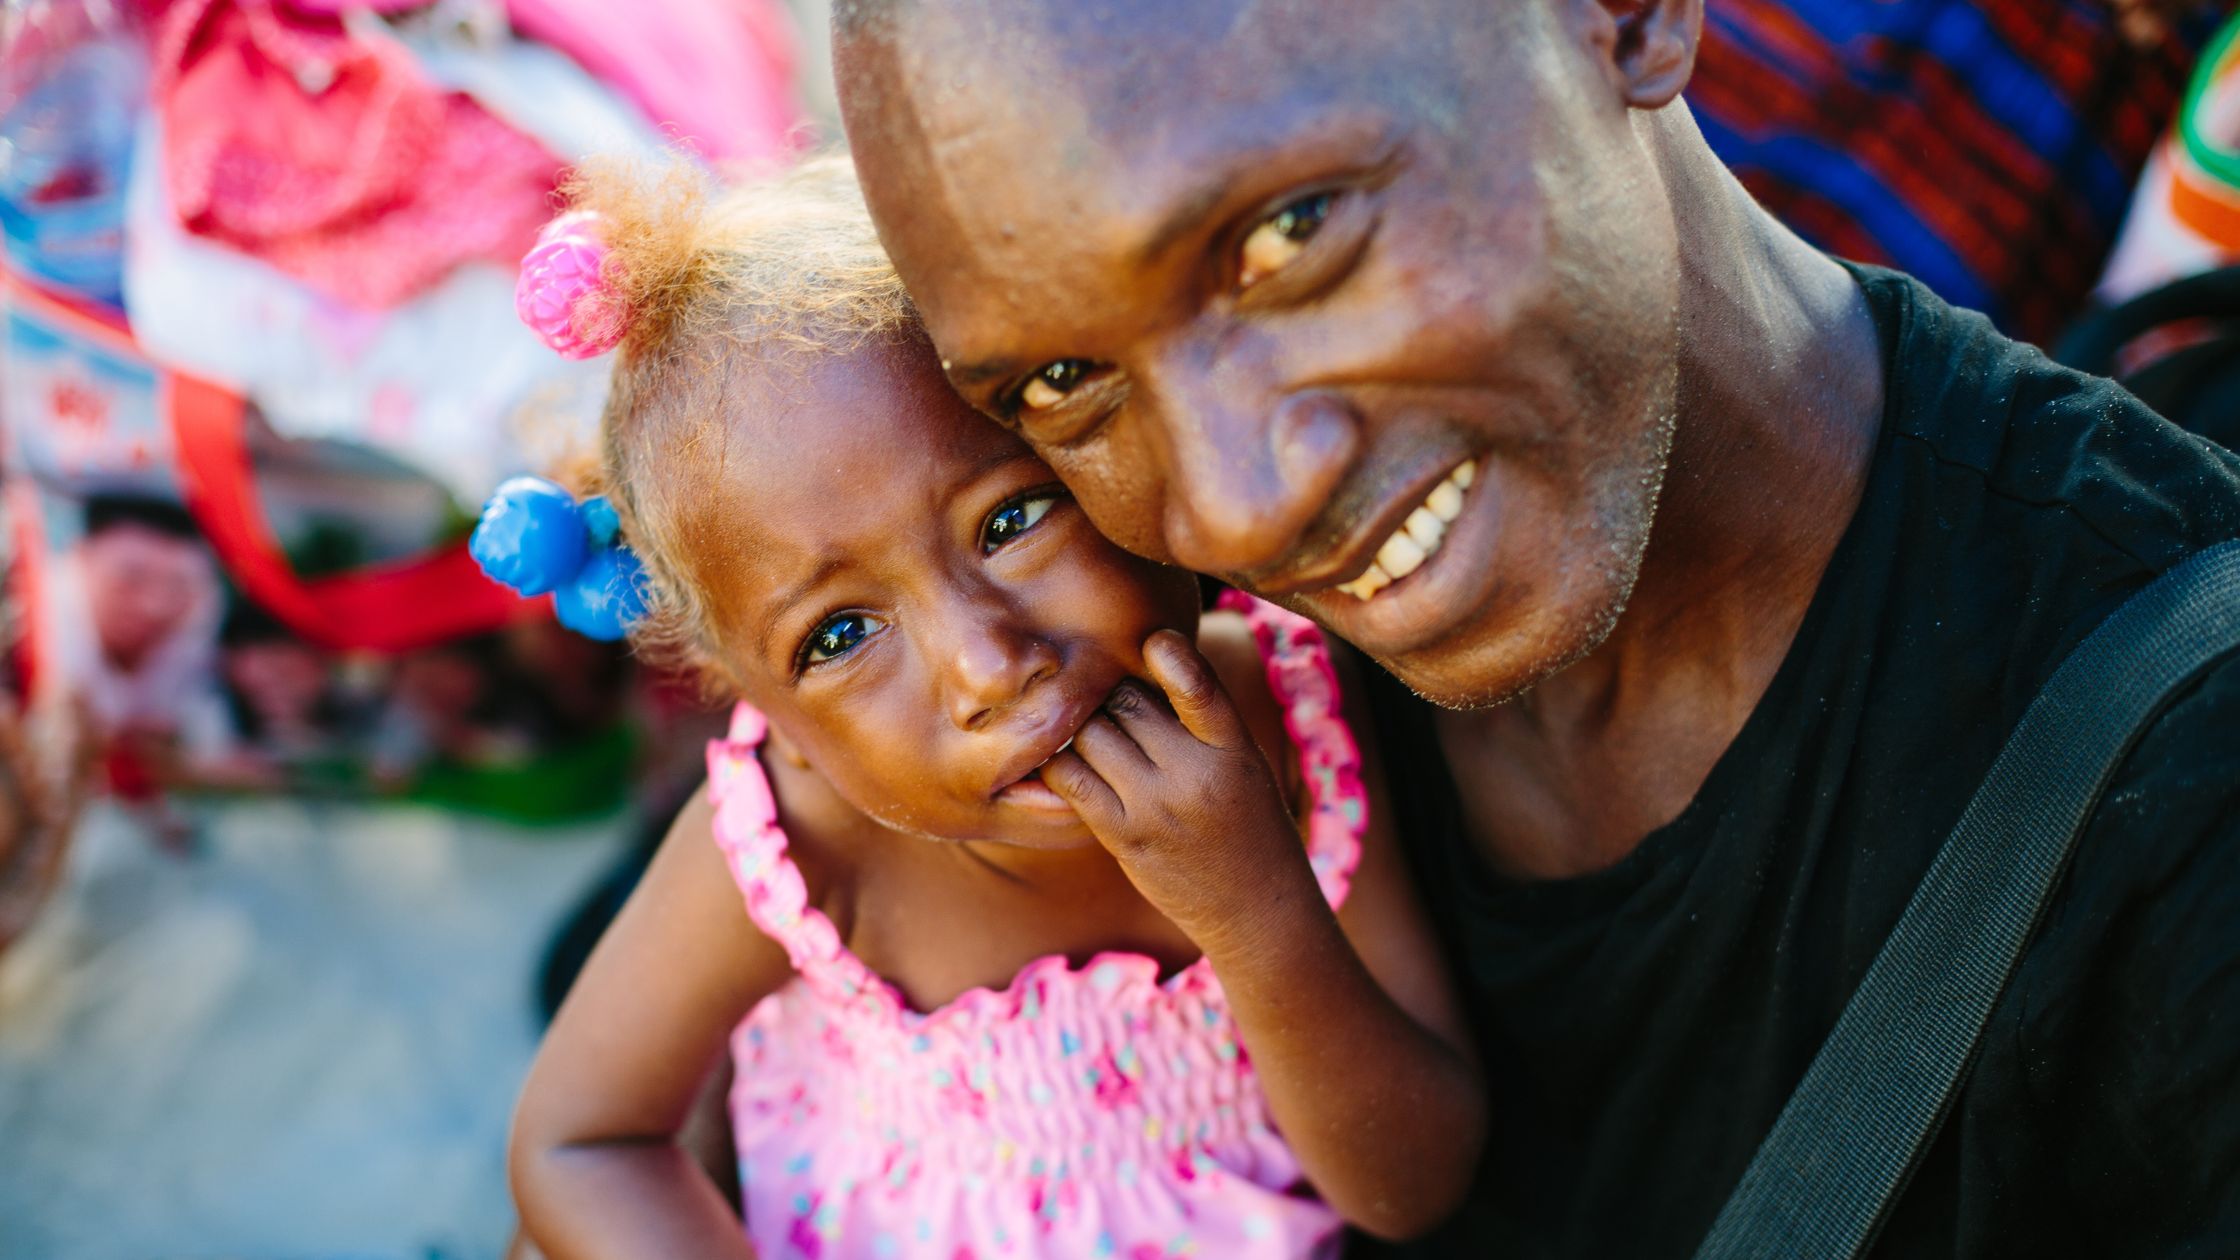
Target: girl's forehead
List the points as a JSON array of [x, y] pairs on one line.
[[885, 403], [852, 471], [831, 453]]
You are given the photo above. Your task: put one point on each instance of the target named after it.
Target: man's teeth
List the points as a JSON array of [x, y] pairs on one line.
[[1418, 537], [1400, 556]]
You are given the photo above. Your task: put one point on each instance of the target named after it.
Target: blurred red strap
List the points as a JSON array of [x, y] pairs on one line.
[[386, 608]]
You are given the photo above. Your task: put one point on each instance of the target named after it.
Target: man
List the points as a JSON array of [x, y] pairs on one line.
[[1733, 570]]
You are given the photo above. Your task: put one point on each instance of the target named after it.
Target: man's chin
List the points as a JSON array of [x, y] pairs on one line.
[[1483, 664], [1459, 690]]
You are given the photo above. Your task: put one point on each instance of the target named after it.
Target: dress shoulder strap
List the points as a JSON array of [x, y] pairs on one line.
[[755, 850], [1305, 683]]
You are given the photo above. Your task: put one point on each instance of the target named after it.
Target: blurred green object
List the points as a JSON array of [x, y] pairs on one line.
[[577, 781]]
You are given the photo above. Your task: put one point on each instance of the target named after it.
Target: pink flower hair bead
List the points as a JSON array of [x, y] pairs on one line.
[[563, 295]]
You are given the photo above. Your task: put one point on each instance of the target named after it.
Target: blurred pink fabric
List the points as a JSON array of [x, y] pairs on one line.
[[333, 157], [718, 74]]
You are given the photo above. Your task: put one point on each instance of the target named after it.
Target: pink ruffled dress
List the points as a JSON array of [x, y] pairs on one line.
[[1092, 1112]]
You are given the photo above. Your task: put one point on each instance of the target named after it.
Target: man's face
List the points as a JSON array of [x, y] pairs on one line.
[[1367, 309]]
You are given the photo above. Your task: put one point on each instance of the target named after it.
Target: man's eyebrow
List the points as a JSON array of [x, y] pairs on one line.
[[1309, 146], [1188, 212], [1200, 201], [1268, 160]]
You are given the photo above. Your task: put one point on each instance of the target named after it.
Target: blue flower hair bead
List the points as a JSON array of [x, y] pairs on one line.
[[606, 597], [535, 538], [531, 537], [600, 521]]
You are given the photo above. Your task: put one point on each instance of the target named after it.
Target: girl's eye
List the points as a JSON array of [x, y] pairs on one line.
[[1013, 519], [1281, 237], [838, 636], [1052, 382]]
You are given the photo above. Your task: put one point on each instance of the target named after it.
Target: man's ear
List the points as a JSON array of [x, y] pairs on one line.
[[1649, 46]]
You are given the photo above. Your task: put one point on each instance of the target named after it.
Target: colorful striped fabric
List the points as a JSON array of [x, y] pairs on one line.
[[1988, 147]]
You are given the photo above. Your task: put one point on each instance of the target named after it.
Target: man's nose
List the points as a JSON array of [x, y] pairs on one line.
[[991, 657], [1244, 483]]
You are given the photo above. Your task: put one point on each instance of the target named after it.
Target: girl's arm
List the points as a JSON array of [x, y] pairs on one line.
[[595, 1163], [1349, 1019]]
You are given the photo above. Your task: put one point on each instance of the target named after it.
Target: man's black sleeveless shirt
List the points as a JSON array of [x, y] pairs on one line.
[[1642, 1026]]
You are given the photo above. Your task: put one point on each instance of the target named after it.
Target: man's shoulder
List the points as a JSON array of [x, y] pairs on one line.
[[2039, 435], [2014, 506], [2084, 495]]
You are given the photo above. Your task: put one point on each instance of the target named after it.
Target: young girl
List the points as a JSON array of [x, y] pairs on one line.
[[1041, 916]]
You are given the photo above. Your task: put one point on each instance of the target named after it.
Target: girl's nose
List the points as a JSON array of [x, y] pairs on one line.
[[995, 660]]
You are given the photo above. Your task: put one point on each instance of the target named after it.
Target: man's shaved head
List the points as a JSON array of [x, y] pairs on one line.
[[1259, 278]]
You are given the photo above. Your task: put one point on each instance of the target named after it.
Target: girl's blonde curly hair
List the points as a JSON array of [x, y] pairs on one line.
[[712, 275]]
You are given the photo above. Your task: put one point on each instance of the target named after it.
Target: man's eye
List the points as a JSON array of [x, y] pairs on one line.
[[837, 636], [1013, 519], [1052, 382], [1281, 237]]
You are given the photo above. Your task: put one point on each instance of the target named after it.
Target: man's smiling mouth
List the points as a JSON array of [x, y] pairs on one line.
[[1418, 537]]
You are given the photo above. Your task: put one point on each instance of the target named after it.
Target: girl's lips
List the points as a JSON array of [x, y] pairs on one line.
[[1032, 793], [1070, 722]]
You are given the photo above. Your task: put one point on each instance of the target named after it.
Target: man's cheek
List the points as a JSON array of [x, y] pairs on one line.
[[1125, 513]]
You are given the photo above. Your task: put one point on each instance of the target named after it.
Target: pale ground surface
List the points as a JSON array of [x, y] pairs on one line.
[[302, 1041]]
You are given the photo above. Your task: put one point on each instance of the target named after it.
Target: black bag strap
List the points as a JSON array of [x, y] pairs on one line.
[[1847, 1140]]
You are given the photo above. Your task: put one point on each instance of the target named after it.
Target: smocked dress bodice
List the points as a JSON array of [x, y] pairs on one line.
[[1092, 1111]]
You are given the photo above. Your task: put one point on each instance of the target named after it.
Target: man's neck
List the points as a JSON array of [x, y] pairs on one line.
[[1780, 395]]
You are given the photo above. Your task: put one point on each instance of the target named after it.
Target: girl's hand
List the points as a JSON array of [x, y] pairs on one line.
[[1180, 793], [1351, 1026]]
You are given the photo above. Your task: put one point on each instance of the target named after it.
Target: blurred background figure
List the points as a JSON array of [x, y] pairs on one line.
[[2166, 317], [280, 695], [132, 609], [136, 608]]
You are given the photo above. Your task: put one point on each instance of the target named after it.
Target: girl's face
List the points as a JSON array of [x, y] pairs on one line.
[[910, 595]]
